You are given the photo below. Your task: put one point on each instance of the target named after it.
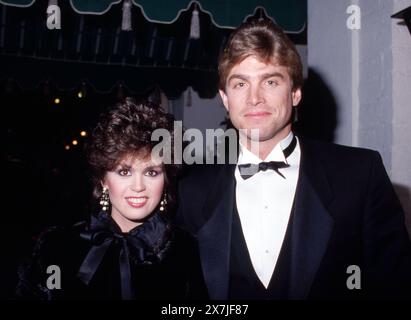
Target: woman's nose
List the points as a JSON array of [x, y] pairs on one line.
[[138, 184]]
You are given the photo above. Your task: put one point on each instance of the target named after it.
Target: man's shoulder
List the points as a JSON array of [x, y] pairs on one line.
[[195, 187], [336, 151], [202, 172]]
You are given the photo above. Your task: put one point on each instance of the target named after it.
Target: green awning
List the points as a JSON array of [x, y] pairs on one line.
[[18, 3], [291, 15], [91, 47]]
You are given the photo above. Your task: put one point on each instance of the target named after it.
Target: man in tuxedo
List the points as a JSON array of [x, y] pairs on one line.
[[296, 219]]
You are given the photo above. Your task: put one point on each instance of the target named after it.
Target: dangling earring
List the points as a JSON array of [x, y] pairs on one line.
[[104, 199], [163, 203]]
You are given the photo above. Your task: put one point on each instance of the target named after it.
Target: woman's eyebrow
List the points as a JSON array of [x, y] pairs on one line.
[[124, 165], [154, 166]]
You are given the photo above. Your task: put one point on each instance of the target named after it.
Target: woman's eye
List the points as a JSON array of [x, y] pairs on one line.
[[124, 172], [152, 173]]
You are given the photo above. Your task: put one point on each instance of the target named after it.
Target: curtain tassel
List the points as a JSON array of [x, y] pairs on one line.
[[195, 24], [126, 20]]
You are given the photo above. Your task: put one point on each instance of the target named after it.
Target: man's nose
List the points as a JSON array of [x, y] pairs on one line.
[[255, 96]]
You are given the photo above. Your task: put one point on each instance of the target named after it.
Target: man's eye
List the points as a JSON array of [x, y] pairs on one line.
[[271, 82], [124, 172], [239, 85]]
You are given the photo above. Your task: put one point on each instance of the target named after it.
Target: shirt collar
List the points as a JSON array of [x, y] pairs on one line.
[[276, 154]]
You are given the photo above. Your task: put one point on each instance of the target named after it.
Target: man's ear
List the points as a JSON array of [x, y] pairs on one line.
[[224, 98], [296, 96]]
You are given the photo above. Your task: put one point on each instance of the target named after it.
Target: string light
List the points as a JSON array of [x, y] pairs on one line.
[[57, 100], [82, 90], [83, 133], [67, 147], [74, 142]]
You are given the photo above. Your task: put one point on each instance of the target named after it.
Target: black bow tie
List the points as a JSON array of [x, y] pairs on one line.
[[247, 170]]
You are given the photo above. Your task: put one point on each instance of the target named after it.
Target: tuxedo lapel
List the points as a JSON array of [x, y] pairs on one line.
[[214, 236], [312, 225], [311, 228]]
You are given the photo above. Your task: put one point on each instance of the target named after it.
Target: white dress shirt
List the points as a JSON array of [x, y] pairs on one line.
[[264, 204]]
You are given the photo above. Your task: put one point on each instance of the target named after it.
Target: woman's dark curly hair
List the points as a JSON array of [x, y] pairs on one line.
[[125, 130]]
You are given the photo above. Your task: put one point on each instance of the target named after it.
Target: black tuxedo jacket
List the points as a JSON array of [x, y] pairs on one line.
[[345, 213]]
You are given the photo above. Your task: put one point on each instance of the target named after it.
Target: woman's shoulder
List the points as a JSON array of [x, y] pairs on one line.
[[57, 245], [56, 248], [55, 239]]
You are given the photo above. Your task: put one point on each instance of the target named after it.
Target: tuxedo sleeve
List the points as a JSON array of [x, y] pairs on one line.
[[387, 247], [181, 215]]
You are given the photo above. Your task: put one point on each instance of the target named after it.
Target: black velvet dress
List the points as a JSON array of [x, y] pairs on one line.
[[154, 261]]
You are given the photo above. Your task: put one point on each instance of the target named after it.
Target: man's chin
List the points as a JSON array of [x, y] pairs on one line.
[[256, 135]]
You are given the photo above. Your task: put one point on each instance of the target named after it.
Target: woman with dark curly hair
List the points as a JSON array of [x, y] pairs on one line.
[[129, 250]]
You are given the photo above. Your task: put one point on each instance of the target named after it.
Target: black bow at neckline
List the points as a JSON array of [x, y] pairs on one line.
[[145, 244]]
